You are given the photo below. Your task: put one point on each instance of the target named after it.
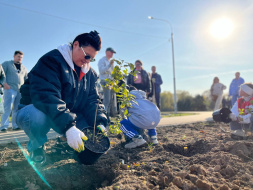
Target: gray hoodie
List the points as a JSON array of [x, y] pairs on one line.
[[144, 114]]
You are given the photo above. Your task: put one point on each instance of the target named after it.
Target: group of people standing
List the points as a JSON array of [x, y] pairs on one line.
[[144, 80], [149, 83], [217, 88], [60, 93], [241, 95]]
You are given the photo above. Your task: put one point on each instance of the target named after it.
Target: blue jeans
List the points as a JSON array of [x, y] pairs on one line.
[[130, 130], [234, 99], [234, 125], [37, 124], [158, 100], [11, 99]]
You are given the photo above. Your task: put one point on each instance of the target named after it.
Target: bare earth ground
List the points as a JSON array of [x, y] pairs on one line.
[[191, 156]]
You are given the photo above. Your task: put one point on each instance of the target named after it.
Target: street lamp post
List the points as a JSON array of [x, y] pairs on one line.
[[173, 60]]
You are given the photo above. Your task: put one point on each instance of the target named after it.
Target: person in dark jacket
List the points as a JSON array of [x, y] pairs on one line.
[[156, 82], [141, 80], [60, 93]]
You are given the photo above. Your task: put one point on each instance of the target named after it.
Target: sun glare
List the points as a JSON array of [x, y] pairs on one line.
[[221, 28]]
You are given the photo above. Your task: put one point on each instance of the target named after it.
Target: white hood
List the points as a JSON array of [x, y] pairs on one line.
[[66, 52]]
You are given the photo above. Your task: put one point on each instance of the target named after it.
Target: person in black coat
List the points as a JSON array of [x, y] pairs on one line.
[[60, 93], [141, 80]]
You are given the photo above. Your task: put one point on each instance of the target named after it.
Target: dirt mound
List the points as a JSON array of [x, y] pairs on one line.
[[193, 156]]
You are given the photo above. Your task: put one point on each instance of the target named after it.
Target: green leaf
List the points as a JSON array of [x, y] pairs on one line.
[[116, 90], [123, 96], [131, 66]]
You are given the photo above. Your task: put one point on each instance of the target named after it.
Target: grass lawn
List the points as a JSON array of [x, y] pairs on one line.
[[9, 119], [166, 114], [171, 114]]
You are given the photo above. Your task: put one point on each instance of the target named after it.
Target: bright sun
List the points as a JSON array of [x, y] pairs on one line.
[[222, 28]]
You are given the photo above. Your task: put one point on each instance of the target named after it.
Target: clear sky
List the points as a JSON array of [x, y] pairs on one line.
[[36, 27]]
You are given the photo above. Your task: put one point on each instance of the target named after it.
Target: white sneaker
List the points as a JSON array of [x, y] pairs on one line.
[[136, 141], [240, 133], [153, 140]]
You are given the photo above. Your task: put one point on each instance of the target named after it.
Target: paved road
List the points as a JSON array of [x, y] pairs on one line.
[[11, 136], [200, 116]]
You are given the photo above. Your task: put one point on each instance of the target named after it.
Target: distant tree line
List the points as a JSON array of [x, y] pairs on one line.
[[186, 102]]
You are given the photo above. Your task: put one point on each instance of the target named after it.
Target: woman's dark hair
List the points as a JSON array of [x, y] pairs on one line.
[[215, 78], [139, 61], [89, 39]]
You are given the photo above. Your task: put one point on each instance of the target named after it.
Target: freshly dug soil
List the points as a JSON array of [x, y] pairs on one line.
[[97, 143], [192, 156]]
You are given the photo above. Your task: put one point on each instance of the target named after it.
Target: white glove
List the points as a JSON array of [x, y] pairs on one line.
[[244, 119], [232, 116], [74, 139], [102, 129]]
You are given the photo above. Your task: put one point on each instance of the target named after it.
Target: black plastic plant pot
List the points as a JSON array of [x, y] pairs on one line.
[[222, 115], [94, 147]]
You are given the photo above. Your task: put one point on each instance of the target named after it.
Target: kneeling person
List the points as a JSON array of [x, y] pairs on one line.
[[143, 115], [242, 111], [61, 94]]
